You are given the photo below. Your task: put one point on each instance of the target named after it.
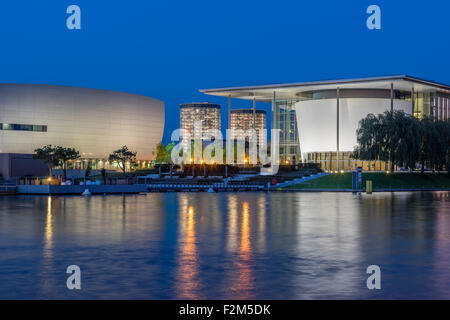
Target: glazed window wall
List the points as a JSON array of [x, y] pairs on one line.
[[286, 120], [327, 162], [355, 93], [209, 116], [432, 104], [244, 121], [423, 101], [422, 104], [441, 106]]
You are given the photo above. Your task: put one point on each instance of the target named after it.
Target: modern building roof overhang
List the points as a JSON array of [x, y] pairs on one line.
[[292, 90]]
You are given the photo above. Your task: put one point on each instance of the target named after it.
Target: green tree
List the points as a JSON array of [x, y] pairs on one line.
[[443, 129], [429, 136], [47, 154], [369, 138], [121, 157], [63, 155], [390, 136], [159, 152], [405, 140], [162, 153], [169, 147]]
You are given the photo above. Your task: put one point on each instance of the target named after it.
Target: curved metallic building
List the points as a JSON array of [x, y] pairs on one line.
[[95, 122]]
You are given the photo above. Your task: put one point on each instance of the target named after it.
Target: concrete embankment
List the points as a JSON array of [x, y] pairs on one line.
[[8, 190], [67, 190]]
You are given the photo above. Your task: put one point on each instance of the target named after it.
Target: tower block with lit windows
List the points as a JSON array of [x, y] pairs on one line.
[[206, 113]]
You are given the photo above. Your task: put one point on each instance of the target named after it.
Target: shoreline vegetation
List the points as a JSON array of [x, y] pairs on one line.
[[380, 180]]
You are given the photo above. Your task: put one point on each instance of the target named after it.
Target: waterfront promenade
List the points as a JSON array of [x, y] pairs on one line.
[[319, 182]]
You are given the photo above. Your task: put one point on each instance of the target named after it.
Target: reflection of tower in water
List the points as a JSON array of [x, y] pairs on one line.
[[48, 241], [245, 230], [232, 232], [188, 281], [244, 282], [47, 254]]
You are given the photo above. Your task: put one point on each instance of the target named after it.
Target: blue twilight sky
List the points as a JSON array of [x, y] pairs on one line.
[[170, 49]]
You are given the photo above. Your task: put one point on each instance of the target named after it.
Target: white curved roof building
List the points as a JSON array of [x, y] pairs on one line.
[[95, 122], [318, 120]]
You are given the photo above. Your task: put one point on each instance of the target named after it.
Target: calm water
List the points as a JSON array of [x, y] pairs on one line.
[[226, 245]]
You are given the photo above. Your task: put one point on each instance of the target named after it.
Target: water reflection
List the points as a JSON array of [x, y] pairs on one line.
[[327, 246], [243, 286], [188, 282], [441, 260], [232, 232], [261, 234], [47, 281], [227, 245], [245, 231], [48, 238]]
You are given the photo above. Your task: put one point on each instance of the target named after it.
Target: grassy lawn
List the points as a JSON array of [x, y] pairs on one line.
[[380, 181]]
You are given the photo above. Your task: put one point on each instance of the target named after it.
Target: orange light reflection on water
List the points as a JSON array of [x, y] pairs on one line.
[[244, 283], [48, 239], [188, 272]]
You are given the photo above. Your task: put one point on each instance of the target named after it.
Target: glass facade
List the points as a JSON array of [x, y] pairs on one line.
[[328, 162], [242, 119], [423, 103], [207, 113], [285, 119], [431, 104], [440, 106]]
